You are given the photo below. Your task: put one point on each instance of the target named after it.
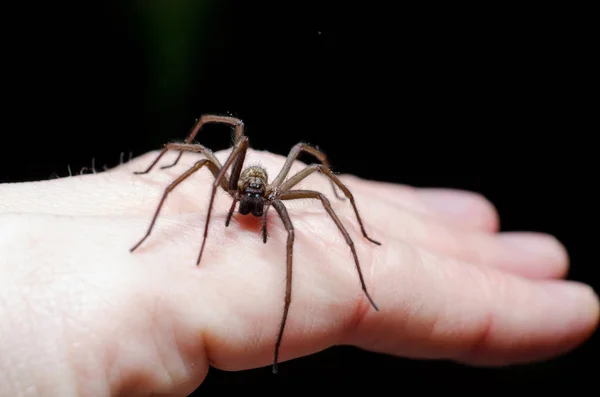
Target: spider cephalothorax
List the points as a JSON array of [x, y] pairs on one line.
[[250, 188]]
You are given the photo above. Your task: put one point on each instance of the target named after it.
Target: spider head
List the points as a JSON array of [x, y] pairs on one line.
[[252, 186]]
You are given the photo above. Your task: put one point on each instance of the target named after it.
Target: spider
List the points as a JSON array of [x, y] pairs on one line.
[[250, 188]]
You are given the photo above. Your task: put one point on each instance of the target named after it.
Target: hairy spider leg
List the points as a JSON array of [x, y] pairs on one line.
[[211, 118], [214, 168], [293, 155], [285, 218]]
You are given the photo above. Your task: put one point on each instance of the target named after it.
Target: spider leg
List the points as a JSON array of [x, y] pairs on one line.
[[303, 194], [293, 155], [231, 210], [294, 180], [285, 218], [206, 119], [238, 155], [197, 148], [264, 221], [214, 168]]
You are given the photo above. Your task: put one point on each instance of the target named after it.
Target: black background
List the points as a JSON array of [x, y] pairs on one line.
[[494, 99]]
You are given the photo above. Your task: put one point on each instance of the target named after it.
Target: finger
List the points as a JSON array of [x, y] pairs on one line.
[[457, 207], [465, 208], [533, 255], [475, 315]]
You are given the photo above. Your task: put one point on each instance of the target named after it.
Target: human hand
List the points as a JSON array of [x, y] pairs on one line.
[[81, 315]]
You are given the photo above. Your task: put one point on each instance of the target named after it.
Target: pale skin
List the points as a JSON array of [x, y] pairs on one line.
[[82, 316]]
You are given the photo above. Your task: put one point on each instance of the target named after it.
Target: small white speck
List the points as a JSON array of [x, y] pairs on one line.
[[319, 32]]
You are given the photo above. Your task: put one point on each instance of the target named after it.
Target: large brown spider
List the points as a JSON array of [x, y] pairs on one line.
[[255, 195]]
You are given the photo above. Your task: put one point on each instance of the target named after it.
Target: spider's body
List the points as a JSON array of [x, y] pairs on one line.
[[250, 188]]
